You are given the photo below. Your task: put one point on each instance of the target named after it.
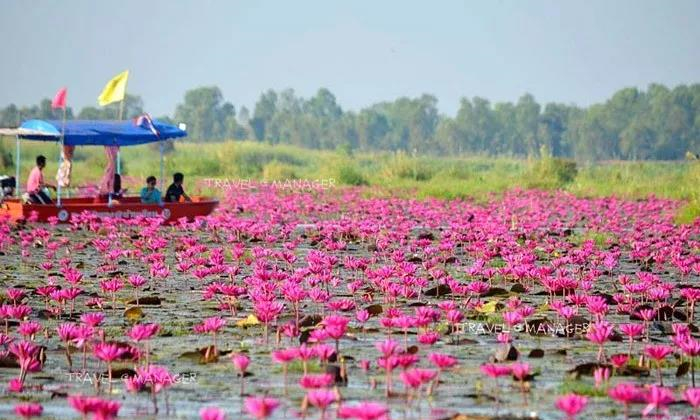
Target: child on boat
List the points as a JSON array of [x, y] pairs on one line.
[[175, 192], [150, 194], [117, 194], [7, 184]]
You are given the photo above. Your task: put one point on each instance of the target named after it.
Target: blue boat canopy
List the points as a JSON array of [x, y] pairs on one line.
[[100, 133]]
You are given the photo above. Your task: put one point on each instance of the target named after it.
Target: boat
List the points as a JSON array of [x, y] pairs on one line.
[[96, 133], [124, 208]]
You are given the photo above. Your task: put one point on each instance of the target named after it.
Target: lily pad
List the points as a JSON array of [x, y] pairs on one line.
[[133, 314]]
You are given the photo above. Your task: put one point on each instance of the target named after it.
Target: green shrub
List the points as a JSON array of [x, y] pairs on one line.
[[247, 159], [168, 147], [458, 171], [194, 166], [347, 174], [5, 158], [550, 173], [345, 149], [276, 171], [82, 154], [402, 166]]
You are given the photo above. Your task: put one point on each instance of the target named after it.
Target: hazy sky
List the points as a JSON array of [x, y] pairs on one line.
[[363, 51]]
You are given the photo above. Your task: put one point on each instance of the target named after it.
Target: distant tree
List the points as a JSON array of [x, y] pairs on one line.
[[552, 126], [206, 115], [637, 140], [371, 127], [243, 129], [10, 116], [265, 109], [166, 119], [133, 107], [656, 123], [90, 113], [527, 112]]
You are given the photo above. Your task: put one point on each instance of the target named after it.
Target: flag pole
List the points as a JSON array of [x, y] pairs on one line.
[[18, 184], [161, 166], [121, 115]]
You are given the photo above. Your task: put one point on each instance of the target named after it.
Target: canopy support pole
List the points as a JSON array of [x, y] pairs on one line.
[[162, 173], [18, 184], [60, 158]]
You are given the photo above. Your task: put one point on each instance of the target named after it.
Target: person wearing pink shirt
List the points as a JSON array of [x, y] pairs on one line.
[[36, 184]]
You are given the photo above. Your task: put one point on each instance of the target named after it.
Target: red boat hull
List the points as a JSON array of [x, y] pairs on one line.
[[125, 208]]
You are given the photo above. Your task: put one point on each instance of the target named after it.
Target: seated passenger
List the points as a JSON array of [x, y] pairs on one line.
[[36, 184], [118, 191], [150, 194], [175, 192]]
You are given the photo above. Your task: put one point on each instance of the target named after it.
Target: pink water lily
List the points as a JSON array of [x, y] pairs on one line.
[[241, 362], [260, 407], [143, 333], [599, 334], [102, 409], [27, 411], [692, 396], [658, 353], [625, 393], [213, 326], [321, 399], [572, 405], [369, 289], [212, 413], [657, 398], [109, 352]]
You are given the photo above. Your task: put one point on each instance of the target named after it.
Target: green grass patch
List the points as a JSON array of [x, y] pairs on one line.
[[581, 388], [600, 239], [298, 367], [689, 213]]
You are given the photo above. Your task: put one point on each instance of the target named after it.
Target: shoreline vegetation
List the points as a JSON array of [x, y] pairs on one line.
[[656, 123], [383, 173]]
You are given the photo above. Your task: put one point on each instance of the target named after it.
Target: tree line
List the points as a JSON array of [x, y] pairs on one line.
[[656, 123]]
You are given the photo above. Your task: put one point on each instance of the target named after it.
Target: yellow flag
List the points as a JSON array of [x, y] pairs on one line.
[[114, 90]]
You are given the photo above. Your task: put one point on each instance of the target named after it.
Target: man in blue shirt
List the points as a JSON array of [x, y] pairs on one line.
[[150, 194]]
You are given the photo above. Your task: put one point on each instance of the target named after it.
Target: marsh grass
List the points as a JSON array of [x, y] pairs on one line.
[[386, 173]]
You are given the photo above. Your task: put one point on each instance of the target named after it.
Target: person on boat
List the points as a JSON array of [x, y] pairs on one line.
[[117, 193], [36, 184], [8, 185], [150, 194], [175, 193], [118, 190]]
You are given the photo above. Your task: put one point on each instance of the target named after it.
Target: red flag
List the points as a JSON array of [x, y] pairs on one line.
[[59, 101]]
